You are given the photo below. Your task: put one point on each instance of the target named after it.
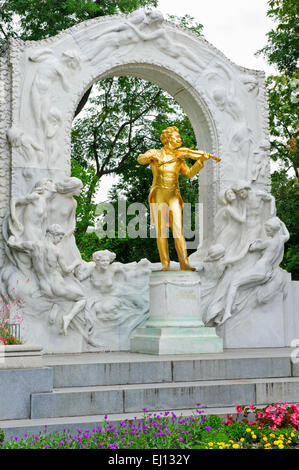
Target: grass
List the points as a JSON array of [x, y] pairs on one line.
[[163, 431]]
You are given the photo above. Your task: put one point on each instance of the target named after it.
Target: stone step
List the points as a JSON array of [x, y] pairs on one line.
[[94, 400], [127, 368], [19, 428]]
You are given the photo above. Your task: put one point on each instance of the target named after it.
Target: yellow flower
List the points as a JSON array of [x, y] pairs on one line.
[[210, 443], [292, 434], [280, 446], [253, 436], [248, 430], [265, 438], [236, 446], [242, 439], [272, 435]]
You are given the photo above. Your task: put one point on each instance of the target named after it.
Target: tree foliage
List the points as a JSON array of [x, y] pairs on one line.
[[39, 19], [286, 192], [282, 51], [282, 48], [283, 91]]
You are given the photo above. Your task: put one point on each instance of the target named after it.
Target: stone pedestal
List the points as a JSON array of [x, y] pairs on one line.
[[175, 325], [21, 356]]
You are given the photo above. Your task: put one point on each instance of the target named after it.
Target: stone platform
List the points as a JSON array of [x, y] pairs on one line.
[[77, 390], [175, 325]]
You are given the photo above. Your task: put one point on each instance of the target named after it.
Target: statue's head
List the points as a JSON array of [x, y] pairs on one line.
[[241, 188], [216, 252], [43, 185], [171, 136], [154, 16], [71, 186], [227, 196], [55, 232], [15, 136], [230, 195], [272, 226], [219, 95], [103, 258]]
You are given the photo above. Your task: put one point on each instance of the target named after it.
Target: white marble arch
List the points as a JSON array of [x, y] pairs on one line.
[[226, 103], [41, 84]]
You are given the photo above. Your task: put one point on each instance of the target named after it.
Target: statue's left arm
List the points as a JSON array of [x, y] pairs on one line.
[[193, 170]]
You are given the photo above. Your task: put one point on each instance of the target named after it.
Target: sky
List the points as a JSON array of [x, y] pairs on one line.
[[237, 28]]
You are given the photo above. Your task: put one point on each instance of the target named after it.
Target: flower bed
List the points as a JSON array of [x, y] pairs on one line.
[[167, 431], [6, 309]]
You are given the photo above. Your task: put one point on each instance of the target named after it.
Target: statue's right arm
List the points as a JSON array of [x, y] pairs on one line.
[[22, 246], [147, 157]]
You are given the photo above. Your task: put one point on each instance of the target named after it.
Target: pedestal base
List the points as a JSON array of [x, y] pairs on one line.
[[175, 325], [176, 340]]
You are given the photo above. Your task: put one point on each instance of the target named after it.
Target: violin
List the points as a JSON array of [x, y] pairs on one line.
[[196, 154], [193, 154]]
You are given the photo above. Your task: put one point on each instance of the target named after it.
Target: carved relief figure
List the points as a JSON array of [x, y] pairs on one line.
[[29, 151], [131, 31], [51, 271], [62, 211], [260, 205], [103, 275], [167, 44], [251, 83], [52, 147], [260, 168], [118, 36], [28, 214], [229, 221], [214, 283], [240, 138], [271, 254], [49, 71]]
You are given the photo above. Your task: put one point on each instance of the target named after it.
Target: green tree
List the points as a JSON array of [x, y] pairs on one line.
[[286, 192], [282, 48], [283, 93], [282, 51], [38, 19]]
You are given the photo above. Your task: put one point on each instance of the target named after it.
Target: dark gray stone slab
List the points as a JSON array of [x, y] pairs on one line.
[[80, 403], [231, 368], [171, 398], [278, 391], [76, 375], [16, 386]]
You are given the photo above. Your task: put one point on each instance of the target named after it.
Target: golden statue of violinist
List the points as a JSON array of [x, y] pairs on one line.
[[165, 199]]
